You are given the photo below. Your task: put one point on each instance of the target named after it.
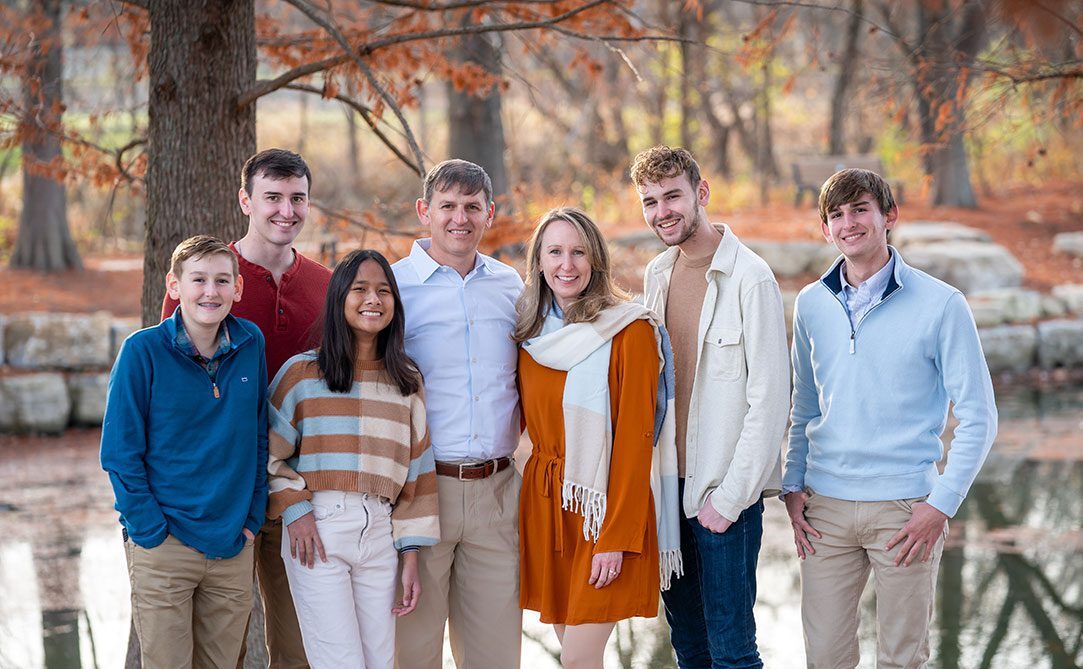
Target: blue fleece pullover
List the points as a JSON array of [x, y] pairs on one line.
[[870, 403], [181, 460]]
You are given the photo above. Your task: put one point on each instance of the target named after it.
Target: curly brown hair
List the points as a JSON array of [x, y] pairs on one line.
[[662, 162]]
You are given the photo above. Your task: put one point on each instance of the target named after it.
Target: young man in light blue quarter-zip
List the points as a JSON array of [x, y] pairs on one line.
[[879, 350]]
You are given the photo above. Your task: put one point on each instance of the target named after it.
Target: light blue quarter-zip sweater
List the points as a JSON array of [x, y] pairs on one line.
[[870, 402]]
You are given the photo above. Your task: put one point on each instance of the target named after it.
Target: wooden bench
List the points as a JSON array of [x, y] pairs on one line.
[[811, 172]]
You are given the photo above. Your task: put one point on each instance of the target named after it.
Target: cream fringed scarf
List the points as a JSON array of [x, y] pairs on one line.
[[583, 350]]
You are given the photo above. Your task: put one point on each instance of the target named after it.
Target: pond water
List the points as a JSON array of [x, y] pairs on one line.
[[1010, 593]]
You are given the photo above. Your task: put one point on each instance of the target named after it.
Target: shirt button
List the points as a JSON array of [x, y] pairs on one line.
[[471, 321], [281, 311], [475, 437], [473, 360], [476, 398]]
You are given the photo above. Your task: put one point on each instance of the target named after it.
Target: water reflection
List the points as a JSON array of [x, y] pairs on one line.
[[1009, 593]]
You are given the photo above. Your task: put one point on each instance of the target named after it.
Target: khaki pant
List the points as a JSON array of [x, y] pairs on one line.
[[832, 580], [285, 650], [470, 580], [189, 611]]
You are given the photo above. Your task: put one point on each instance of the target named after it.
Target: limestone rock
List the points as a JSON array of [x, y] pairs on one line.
[[789, 299], [1005, 305], [119, 330], [987, 313], [39, 340], [788, 258], [1009, 348], [1053, 307], [919, 233], [1072, 296], [1070, 243], [1060, 343], [967, 265], [34, 403], [87, 393]]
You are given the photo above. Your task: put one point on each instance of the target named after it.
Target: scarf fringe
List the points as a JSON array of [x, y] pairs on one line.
[[586, 502], [670, 564]]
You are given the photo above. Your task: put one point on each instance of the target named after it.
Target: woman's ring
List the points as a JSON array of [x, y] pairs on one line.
[[612, 572]]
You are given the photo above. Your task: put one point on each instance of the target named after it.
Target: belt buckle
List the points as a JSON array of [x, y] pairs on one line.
[[465, 464]]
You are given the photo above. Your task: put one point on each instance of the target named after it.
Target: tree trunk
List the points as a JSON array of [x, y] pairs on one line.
[[44, 241], [951, 174], [840, 102], [475, 129], [353, 147], [202, 55], [942, 110], [687, 78]]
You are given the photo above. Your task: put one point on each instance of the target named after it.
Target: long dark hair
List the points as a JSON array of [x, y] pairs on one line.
[[337, 352]]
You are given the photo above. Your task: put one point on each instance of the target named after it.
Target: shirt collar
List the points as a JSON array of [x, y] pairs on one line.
[[875, 284], [184, 342], [425, 266]]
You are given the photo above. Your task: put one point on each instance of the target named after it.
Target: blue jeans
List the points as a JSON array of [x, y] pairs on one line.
[[709, 608]]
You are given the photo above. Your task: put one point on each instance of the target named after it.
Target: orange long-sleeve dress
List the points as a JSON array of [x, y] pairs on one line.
[[555, 559]]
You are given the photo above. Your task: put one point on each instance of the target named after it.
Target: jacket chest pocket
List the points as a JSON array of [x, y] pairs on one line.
[[724, 353]]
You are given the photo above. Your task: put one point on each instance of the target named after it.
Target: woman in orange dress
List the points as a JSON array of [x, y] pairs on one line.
[[589, 382]]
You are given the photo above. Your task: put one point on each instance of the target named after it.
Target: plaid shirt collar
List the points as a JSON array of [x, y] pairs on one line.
[[184, 343]]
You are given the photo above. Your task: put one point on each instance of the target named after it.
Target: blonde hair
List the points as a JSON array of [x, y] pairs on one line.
[[197, 247], [537, 297]]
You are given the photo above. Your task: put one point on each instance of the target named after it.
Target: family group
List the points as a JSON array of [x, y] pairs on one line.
[[345, 438]]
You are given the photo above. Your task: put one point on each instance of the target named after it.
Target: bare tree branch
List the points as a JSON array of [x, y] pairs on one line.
[[1057, 15], [265, 86], [1050, 71], [121, 167], [142, 4], [370, 119], [429, 5], [327, 24], [813, 5], [353, 218]]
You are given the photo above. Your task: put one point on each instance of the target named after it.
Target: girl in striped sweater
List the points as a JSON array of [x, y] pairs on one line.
[[351, 472]]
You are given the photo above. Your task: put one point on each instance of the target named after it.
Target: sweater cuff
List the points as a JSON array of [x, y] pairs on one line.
[[944, 500], [295, 511]]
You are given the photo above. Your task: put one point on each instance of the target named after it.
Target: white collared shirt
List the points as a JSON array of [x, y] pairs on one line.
[[458, 331], [859, 300]]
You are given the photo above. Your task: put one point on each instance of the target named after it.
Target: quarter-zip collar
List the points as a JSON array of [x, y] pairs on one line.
[[832, 280]]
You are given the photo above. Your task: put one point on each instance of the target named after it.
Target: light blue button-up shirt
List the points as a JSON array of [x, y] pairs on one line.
[[458, 331], [859, 300]]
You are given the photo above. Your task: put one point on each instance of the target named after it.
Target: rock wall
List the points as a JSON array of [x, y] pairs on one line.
[[55, 368]]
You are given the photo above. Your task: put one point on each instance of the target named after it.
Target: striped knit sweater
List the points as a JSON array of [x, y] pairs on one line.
[[369, 440]]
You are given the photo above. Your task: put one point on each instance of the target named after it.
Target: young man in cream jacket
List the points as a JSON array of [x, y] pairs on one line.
[[723, 309]]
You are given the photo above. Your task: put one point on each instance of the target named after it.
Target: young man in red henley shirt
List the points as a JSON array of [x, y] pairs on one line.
[[284, 293]]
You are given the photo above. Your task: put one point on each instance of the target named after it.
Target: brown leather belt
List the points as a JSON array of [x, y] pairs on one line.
[[472, 471]]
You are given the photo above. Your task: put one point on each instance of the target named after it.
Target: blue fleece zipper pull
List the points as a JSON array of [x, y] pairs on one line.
[[218, 395], [851, 346]]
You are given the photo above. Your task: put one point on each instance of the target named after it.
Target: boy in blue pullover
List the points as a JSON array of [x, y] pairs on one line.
[[184, 442], [879, 349]]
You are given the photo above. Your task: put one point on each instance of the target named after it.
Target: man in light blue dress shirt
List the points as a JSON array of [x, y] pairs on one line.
[[460, 313]]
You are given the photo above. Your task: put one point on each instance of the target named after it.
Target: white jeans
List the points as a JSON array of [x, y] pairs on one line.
[[344, 604]]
